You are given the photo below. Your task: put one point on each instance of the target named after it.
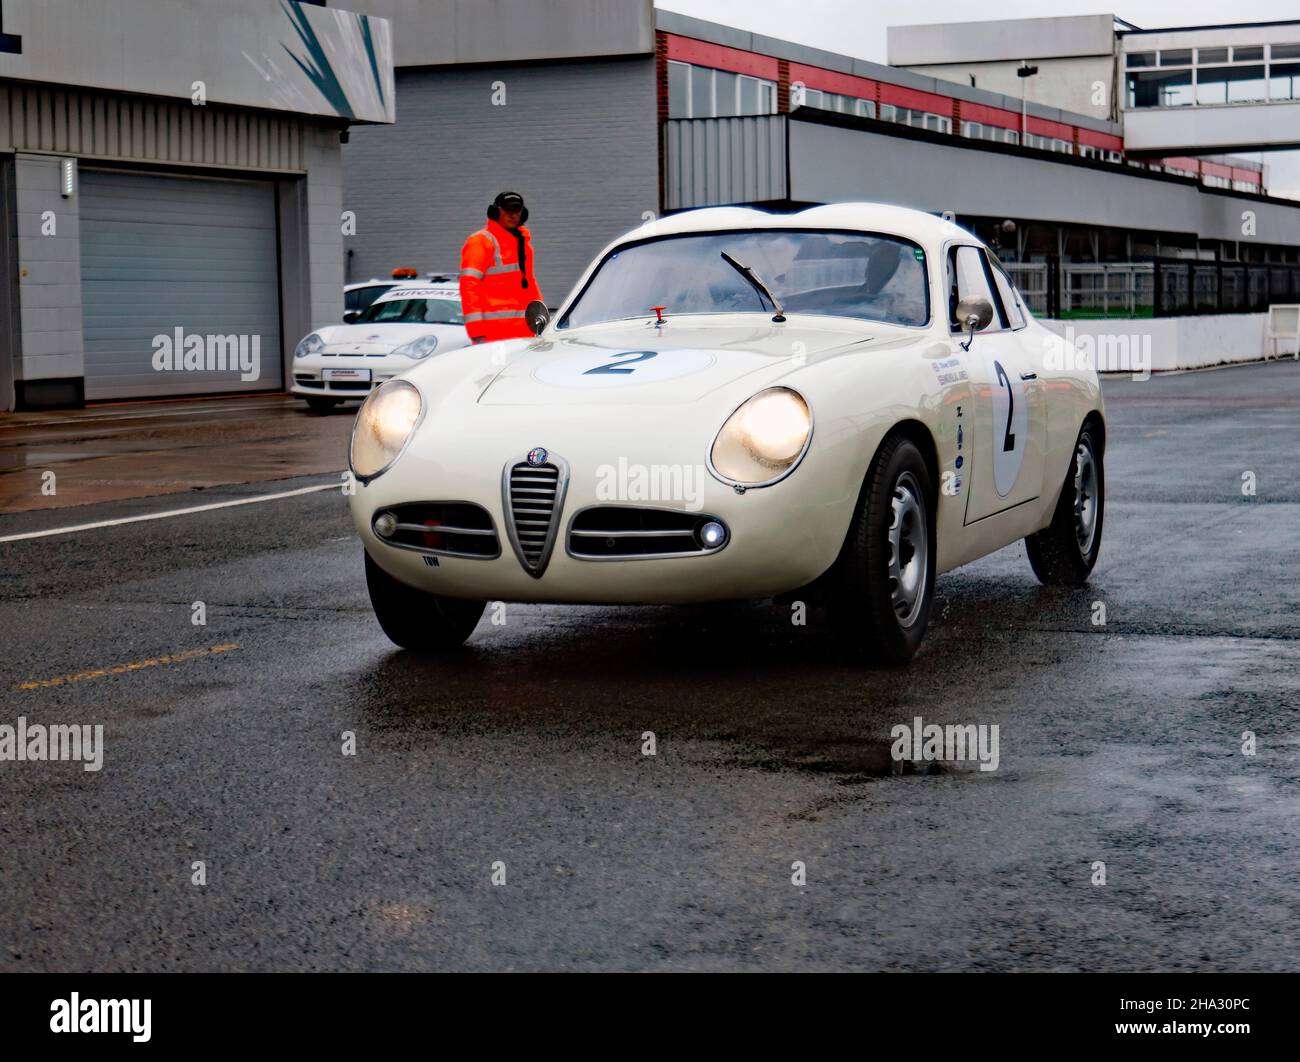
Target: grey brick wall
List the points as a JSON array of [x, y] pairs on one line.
[[576, 139]]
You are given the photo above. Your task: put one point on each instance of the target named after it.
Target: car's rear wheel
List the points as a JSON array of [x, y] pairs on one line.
[[318, 404], [880, 597], [1065, 551], [417, 619]]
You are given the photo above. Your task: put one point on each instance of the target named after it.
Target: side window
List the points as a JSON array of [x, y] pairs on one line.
[[966, 277], [1010, 297]]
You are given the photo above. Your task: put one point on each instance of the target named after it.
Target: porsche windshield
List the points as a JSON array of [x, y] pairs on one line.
[[413, 311], [834, 274]]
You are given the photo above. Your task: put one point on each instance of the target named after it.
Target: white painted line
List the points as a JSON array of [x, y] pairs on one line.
[[173, 512]]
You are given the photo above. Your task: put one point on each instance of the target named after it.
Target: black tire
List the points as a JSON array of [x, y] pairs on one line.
[[1065, 551], [318, 404], [870, 618], [416, 619]]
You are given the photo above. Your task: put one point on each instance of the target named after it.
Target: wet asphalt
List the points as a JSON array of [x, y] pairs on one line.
[[1120, 743]]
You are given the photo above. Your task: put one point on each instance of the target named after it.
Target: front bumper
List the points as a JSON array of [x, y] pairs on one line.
[[309, 374], [780, 537]]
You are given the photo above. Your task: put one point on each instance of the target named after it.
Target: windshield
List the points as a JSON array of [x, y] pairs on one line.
[[413, 311], [834, 274]]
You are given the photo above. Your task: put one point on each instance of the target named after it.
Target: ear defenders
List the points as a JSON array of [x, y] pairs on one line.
[[507, 201]]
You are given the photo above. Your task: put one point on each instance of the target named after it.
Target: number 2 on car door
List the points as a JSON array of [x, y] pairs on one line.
[[1010, 425]]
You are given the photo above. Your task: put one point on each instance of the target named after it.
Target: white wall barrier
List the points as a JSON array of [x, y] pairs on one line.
[[1143, 345]]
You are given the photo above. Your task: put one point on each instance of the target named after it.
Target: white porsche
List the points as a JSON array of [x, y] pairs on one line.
[[401, 328], [833, 405]]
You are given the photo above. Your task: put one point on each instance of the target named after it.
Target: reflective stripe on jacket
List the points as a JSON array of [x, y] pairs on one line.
[[494, 291]]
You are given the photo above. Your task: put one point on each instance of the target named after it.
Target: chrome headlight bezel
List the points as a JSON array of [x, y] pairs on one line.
[[306, 347], [416, 350], [729, 422], [387, 387]]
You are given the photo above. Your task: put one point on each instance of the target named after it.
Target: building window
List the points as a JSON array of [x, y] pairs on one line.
[[1284, 81], [1160, 88], [1230, 84], [702, 92], [1210, 77], [679, 90]]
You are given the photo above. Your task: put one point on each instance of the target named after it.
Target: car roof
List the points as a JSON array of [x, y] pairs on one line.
[[871, 217]]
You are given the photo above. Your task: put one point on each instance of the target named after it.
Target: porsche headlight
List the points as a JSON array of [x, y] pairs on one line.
[[763, 439], [418, 348], [312, 344], [383, 427]]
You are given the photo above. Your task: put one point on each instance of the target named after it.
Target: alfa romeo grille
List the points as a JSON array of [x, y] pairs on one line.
[[533, 496]]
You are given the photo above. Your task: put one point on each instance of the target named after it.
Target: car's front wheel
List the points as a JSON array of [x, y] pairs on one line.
[[417, 619], [880, 596], [318, 404], [1064, 552]]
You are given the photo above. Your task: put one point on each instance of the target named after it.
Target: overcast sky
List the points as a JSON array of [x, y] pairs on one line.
[[857, 28]]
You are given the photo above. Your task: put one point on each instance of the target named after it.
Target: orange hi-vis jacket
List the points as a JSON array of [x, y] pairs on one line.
[[494, 291]]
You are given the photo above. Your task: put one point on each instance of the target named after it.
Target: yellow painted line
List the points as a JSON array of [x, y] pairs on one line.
[[122, 669]]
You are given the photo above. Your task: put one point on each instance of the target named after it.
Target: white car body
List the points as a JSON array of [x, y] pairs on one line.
[[356, 358], [998, 467]]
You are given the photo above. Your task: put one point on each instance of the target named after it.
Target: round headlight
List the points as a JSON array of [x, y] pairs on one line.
[[312, 344], [763, 439], [385, 423], [418, 348]]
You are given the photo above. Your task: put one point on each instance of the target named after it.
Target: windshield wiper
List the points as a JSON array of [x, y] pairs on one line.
[[757, 284]]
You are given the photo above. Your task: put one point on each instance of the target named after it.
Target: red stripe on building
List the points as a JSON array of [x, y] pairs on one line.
[[986, 115], [1105, 141], [1042, 127], [916, 100], [815, 77], [720, 57]]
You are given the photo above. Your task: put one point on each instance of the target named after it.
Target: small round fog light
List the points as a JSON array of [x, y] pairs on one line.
[[385, 525], [712, 535]]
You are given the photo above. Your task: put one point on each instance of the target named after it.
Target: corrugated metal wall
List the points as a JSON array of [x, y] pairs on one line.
[[577, 139], [97, 125], [719, 161], [162, 253]]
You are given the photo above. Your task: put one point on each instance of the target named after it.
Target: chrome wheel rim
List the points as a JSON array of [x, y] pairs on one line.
[[909, 550], [1087, 500]]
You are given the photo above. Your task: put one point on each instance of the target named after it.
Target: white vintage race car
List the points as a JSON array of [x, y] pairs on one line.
[[402, 327], [836, 404]]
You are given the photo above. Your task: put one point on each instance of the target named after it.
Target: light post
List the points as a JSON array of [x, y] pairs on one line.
[[1023, 71]]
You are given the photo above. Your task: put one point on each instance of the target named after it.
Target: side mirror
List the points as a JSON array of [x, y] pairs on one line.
[[537, 316], [351, 316], [974, 314]]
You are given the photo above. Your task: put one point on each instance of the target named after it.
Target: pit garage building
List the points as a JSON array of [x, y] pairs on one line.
[[170, 177]]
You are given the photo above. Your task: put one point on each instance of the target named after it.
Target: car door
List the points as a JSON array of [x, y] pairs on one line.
[[1007, 419]]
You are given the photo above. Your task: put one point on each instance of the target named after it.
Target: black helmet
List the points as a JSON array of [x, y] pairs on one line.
[[508, 201]]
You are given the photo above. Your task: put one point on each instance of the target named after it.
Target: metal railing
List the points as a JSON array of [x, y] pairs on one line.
[[1186, 286], [1159, 287]]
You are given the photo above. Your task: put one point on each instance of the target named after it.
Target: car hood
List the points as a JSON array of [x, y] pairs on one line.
[[383, 338], [642, 364]]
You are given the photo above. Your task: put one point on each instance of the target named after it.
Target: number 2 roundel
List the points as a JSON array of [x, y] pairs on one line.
[[1010, 429], [622, 368]]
